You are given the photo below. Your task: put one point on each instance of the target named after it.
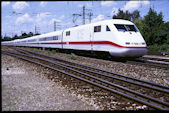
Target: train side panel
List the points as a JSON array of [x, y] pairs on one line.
[[101, 40], [50, 40], [79, 38]]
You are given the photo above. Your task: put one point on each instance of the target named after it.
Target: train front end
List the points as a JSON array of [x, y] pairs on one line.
[[128, 40]]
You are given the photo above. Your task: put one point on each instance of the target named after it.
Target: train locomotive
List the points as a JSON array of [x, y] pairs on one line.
[[119, 38]]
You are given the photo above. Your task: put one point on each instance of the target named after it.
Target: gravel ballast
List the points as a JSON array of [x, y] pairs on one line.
[[45, 94], [25, 88]]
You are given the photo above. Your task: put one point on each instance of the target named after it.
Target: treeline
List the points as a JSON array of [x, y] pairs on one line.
[[23, 35], [154, 30]]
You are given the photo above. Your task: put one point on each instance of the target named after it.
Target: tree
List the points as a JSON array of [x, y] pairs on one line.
[[166, 33], [6, 38], [135, 15], [24, 35], [30, 34], [153, 25], [139, 23], [36, 34], [127, 15], [15, 37]]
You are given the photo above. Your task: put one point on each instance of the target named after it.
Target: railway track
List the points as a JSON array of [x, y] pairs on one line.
[[164, 60], [142, 61], [158, 53], [143, 92], [150, 63]]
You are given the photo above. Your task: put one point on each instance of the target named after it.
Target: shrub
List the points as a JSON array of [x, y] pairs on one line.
[[73, 56], [159, 48]]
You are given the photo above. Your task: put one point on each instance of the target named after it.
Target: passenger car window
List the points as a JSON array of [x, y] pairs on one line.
[[67, 33], [32, 40], [49, 38], [107, 28], [55, 37], [97, 29], [42, 39]]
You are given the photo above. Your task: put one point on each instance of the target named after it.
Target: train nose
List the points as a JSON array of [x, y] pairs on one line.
[[132, 52], [129, 52]]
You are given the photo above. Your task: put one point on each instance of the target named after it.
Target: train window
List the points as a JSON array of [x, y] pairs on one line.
[[23, 41], [97, 29], [49, 38], [42, 39], [33, 40], [131, 28], [67, 33], [55, 37], [120, 27], [107, 28]]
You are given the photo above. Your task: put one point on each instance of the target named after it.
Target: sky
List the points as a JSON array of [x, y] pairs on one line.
[[26, 16]]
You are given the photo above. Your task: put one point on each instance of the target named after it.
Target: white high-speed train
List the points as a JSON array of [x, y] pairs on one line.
[[119, 38]]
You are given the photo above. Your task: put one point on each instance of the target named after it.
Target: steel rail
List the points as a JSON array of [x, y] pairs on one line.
[[119, 87], [160, 62], [152, 63], [109, 75], [147, 84], [157, 58]]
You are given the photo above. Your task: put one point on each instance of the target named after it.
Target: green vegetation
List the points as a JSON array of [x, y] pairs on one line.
[[36, 49], [154, 30], [51, 52], [127, 15], [73, 56], [159, 48]]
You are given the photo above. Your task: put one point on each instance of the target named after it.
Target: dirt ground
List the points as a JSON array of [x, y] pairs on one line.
[[24, 88]]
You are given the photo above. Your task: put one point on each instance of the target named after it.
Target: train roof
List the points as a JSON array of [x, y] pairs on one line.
[[40, 36], [104, 22], [112, 21], [51, 33], [121, 21]]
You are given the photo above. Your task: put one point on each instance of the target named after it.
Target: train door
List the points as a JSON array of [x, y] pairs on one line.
[[62, 36], [97, 36], [84, 36], [91, 37]]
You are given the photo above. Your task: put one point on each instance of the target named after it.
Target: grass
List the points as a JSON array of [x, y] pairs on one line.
[[40, 50], [159, 48], [51, 52], [36, 49], [4, 47]]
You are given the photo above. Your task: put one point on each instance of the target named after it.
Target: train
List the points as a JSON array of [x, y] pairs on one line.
[[117, 37]]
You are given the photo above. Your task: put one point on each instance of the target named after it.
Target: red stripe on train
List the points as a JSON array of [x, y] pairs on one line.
[[104, 42], [54, 43], [49, 43], [95, 42]]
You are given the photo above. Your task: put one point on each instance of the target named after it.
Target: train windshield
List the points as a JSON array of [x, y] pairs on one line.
[[121, 27]]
